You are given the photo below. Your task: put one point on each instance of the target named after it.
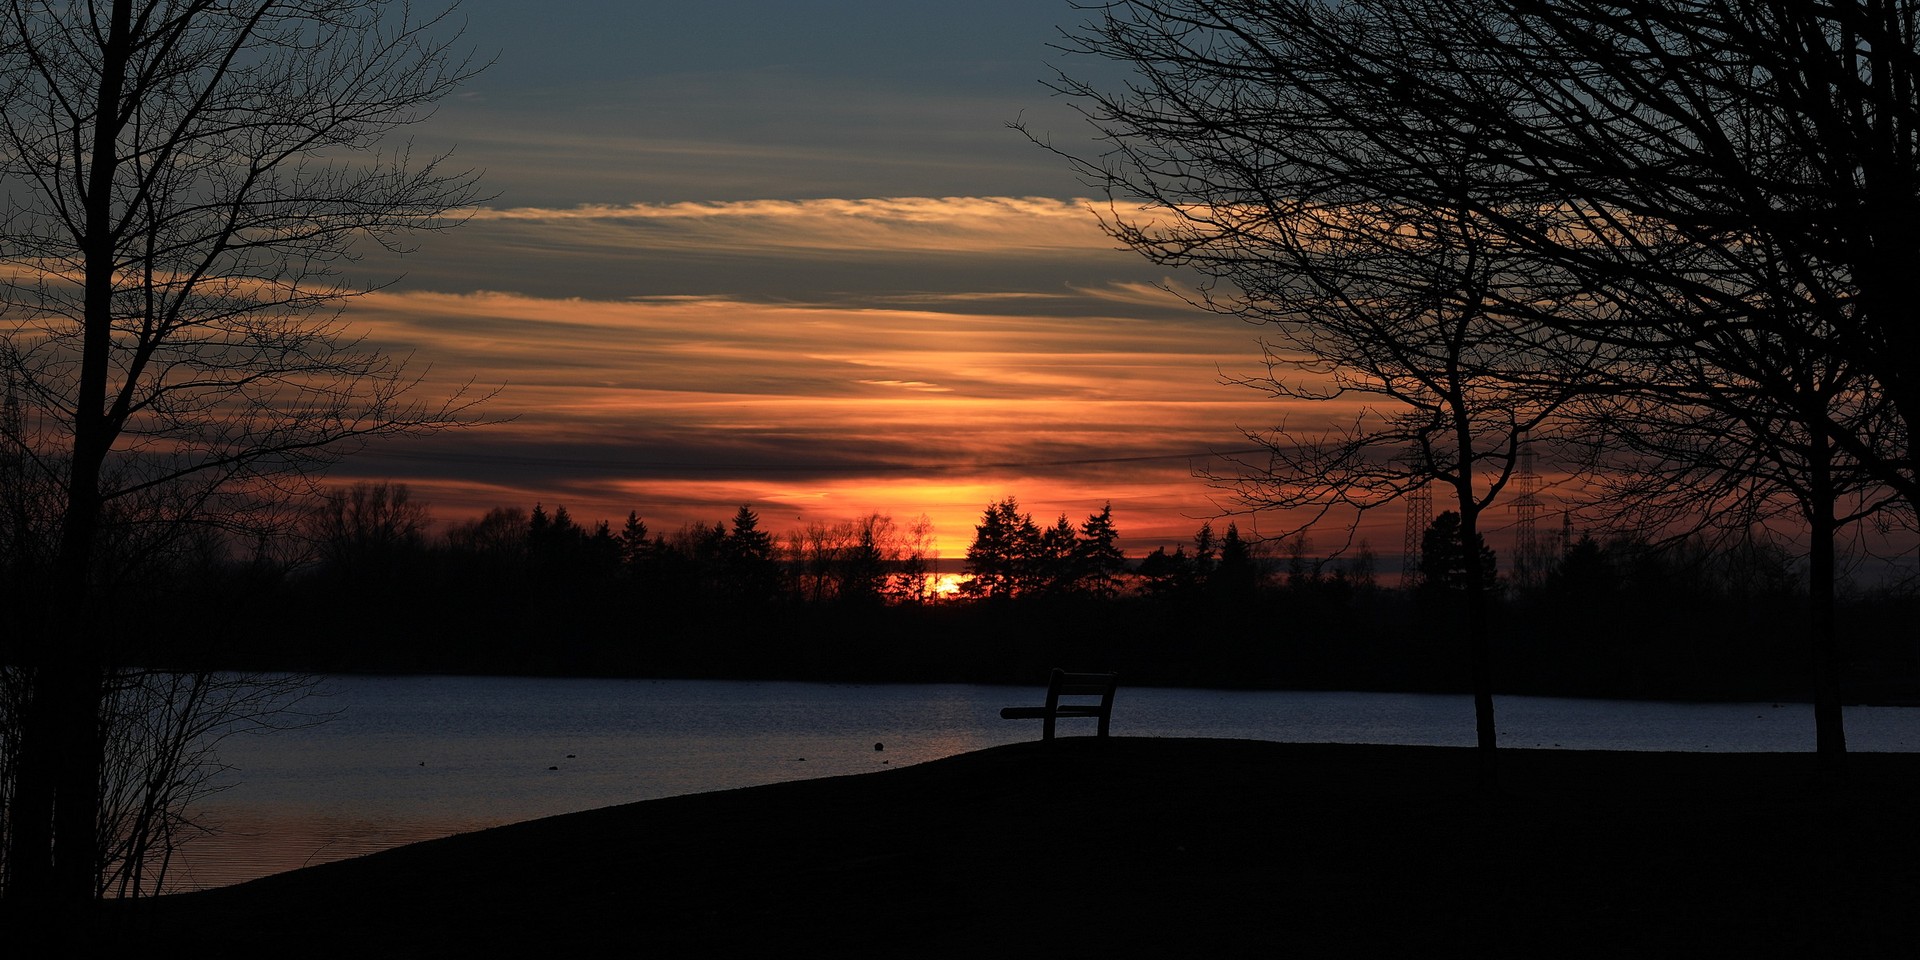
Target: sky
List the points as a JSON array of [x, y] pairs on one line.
[[791, 255]]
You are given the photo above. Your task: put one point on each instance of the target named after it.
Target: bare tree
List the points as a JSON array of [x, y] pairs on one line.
[[850, 562], [163, 730], [365, 531], [1712, 194], [1723, 175], [186, 182], [1381, 307], [1684, 448], [913, 581]]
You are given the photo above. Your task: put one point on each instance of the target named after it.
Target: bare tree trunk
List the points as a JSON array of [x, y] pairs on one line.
[[1479, 645], [70, 682], [168, 161], [76, 805], [1830, 737]]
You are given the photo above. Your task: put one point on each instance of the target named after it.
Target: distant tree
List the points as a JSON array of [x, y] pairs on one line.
[[813, 552], [549, 535], [1359, 568], [1759, 566], [913, 582], [499, 537], [1585, 573], [1356, 571], [1206, 553], [864, 566], [634, 545], [366, 531], [689, 565], [749, 569], [1449, 557], [1303, 569], [1180, 574], [1237, 574], [1166, 575], [1098, 561], [603, 554], [997, 559], [1053, 571], [566, 555], [858, 562]]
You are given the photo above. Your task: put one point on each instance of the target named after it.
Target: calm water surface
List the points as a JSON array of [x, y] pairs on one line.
[[411, 758]]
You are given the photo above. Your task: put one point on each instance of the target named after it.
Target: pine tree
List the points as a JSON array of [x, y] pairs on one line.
[[749, 569], [1097, 555], [634, 548], [992, 559], [1053, 559], [1164, 574], [1444, 557], [1206, 552], [1237, 575]]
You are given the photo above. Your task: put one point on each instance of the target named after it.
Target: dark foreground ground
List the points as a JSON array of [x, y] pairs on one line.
[[1138, 847]]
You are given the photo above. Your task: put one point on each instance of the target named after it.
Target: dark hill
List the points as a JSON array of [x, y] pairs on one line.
[[1137, 847]]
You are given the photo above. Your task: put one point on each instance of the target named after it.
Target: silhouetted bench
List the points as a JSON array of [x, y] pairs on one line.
[[1064, 684]]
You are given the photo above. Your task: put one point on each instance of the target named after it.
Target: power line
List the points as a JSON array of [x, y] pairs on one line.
[[604, 463]]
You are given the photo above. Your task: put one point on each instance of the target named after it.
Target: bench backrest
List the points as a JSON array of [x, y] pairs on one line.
[[1064, 684]]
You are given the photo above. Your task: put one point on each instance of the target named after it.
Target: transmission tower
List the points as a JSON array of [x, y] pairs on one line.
[[1529, 559], [1419, 518]]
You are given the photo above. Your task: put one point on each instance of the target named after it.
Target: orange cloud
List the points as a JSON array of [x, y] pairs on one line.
[[678, 406], [820, 228]]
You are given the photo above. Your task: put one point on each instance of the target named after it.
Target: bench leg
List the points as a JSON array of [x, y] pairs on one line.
[[1046, 727]]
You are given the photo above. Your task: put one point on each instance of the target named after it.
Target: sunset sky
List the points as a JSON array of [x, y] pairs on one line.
[[791, 255]]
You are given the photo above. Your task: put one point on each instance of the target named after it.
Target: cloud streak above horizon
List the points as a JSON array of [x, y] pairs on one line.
[[792, 256], [709, 401]]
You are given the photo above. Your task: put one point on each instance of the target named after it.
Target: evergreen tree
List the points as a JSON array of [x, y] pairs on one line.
[[496, 539], [1237, 575], [604, 553], [634, 547], [1206, 552], [1164, 574], [1097, 555], [1444, 557], [1053, 568], [996, 558], [749, 569], [863, 568]]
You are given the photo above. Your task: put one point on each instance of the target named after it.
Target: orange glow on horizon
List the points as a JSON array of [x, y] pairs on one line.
[[954, 384], [684, 409]]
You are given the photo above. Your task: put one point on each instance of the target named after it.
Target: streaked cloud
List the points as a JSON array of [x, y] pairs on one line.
[[792, 255], [648, 403], [831, 227]]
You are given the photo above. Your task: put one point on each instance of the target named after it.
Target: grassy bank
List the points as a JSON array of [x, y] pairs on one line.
[[1138, 847]]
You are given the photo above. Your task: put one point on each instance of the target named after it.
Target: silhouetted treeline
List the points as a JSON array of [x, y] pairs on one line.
[[520, 591]]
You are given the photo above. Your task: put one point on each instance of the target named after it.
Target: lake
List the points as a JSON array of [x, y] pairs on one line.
[[413, 758]]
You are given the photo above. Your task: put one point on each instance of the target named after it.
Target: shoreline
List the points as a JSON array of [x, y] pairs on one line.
[[1138, 846]]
